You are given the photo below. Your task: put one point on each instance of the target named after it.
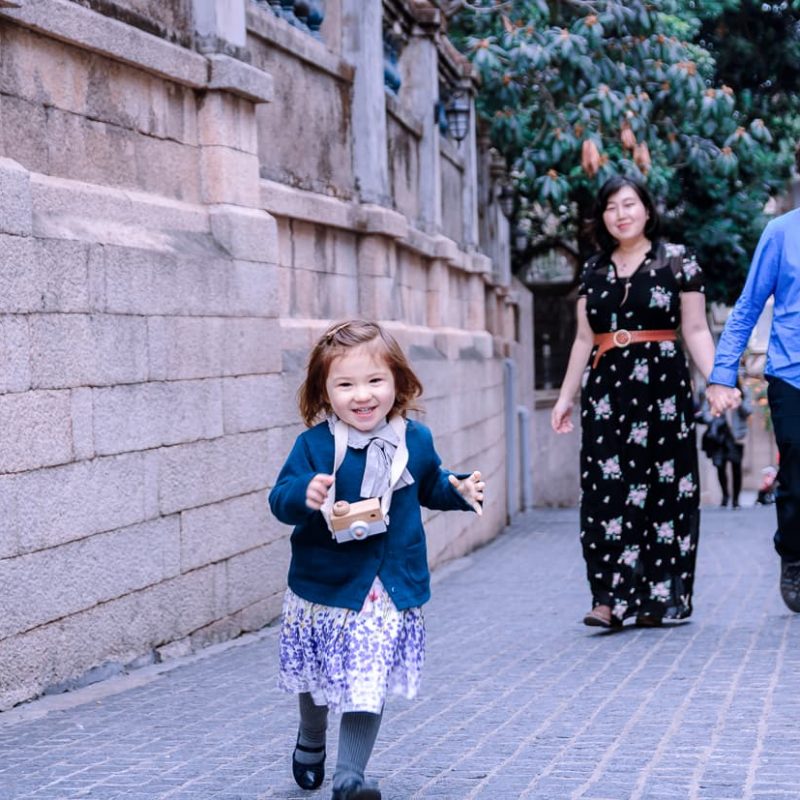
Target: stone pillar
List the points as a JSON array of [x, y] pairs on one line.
[[438, 291], [421, 86], [469, 151], [220, 19], [377, 264], [362, 45]]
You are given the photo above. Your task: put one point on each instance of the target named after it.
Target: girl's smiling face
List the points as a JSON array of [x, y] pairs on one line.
[[625, 215], [360, 388]]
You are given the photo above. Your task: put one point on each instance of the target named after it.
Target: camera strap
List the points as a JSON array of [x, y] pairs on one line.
[[399, 464]]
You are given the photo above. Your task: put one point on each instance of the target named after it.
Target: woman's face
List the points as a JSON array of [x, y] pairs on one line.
[[625, 216]]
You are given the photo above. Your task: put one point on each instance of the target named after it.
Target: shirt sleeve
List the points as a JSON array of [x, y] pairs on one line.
[[760, 284], [435, 489], [691, 277], [583, 287], [287, 500]]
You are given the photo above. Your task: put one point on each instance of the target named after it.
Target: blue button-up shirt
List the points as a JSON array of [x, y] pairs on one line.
[[775, 271]]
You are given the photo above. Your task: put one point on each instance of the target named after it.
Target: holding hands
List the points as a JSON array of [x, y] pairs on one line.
[[471, 489], [722, 398]]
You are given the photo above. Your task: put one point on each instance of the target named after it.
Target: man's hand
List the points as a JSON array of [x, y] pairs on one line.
[[471, 489], [722, 398]]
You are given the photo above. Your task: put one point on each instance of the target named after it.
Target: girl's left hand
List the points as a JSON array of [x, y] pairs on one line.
[[471, 489]]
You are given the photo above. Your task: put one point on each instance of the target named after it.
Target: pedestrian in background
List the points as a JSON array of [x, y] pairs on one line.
[[352, 628], [723, 442], [774, 272], [639, 483]]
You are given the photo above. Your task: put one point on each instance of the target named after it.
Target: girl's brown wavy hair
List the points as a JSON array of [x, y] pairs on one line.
[[312, 397]]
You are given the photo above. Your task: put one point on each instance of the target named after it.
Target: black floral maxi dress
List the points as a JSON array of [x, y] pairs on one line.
[[639, 482]]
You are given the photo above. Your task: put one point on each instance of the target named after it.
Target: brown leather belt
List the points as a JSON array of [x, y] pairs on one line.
[[605, 341]]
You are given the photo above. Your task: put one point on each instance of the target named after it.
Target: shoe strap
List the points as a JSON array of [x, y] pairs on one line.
[[305, 749]]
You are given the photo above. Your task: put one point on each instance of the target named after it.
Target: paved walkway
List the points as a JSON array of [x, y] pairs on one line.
[[519, 699]]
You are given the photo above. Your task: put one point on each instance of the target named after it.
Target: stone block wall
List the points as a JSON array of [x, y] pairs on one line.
[[177, 225]]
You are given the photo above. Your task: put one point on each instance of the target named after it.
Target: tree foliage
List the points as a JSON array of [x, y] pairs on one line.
[[574, 91]]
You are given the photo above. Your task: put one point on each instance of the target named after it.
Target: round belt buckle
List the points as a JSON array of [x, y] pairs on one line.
[[621, 338]]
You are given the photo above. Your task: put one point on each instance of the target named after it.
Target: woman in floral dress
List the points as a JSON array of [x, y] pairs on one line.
[[639, 483]]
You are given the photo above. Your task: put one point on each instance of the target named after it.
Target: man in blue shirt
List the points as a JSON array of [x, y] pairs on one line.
[[775, 271]]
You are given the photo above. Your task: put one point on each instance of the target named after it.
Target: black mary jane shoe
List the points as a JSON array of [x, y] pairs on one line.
[[308, 776], [355, 790]]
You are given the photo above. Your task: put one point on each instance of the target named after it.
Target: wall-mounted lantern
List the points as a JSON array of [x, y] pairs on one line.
[[507, 199], [452, 115]]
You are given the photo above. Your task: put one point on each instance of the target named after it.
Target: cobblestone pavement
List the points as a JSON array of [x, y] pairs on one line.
[[519, 699]]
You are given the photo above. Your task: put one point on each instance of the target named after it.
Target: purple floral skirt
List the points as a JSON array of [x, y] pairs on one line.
[[351, 660]]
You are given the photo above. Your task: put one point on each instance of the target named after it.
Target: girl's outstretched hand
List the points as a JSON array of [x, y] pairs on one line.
[[471, 489], [317, 490]]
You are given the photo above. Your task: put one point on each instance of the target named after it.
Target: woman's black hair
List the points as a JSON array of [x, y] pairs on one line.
[[604, 240]]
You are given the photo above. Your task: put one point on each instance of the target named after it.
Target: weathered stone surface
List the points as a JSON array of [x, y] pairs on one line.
[[15, 198], [229, 176], [239, 79], [15, 366], [245, 233], [222, 530], [147, 415], [257, 573], [210, 347], [43, 275], [96, 33], [79, 349], [200, 473], [35, 430], [48, 507], [115, 632], [50, 584], [258, 402]]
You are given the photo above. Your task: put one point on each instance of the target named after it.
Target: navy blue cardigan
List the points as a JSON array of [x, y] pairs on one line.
[[333, 574]]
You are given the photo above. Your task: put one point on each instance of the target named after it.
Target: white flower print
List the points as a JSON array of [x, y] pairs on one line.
[[667, 348], [629, 557], [666, 470], [641, 371], [620, 607], [660, 591], [659, 297], [638, 434], [685, 544], [602, 408], [665, 532], [690, 268], [613, 528], [668, 408], [637, 495], [671, 249], [611, 468], [686, 486]]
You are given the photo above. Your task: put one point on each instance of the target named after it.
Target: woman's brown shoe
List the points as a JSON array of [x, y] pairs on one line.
[[648, 621], [601, 617]]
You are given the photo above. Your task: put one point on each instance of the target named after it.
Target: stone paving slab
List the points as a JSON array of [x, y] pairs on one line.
[[519, 699]]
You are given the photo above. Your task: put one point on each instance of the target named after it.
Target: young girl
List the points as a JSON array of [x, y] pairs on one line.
[[352, 624]]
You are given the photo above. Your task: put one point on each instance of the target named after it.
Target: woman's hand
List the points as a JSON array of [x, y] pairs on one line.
[[561, 416], [471, 489], [317, 490]]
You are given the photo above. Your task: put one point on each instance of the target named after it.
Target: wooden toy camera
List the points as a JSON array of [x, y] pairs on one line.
[[357, 520]]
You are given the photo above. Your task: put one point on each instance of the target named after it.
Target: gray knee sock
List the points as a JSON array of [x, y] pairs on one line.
[[313, 725], [357, 735]]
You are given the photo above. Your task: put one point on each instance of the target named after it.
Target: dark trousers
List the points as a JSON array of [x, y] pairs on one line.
[[784, 404], [736, 473]]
